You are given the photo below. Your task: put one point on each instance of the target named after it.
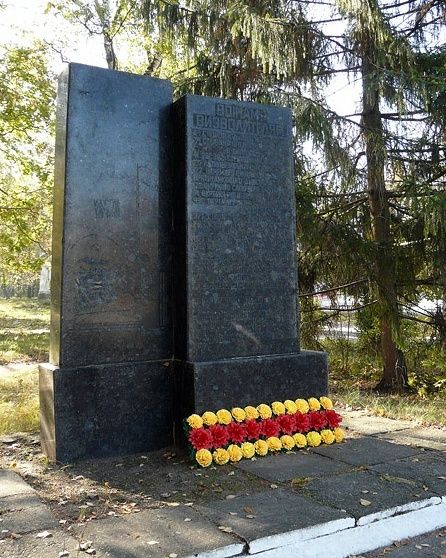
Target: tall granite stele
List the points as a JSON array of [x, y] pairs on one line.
[[108, 387], [236, 321]]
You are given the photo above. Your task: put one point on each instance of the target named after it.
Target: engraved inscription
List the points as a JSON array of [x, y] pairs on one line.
[[221, 173], [106, 208], [96, 284], [242, 286], [239, 119]]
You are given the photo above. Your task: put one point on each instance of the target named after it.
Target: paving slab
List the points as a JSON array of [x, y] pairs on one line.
[[275, 517], [431, 438], [366, 451], [369, 497], [429, 469], [11, 483], [430, 545], [157, 533], [24, 513], [288, 466], [29, 546], [367, 425], [27, 519]]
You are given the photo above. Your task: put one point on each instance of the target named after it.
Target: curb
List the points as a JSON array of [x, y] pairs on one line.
[[343, 538]]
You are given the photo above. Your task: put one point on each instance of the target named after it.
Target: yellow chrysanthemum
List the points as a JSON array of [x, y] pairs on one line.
[[274, 444], [326, 403], [302, 406], [248, 450], [339, 434], [287, 442], [209, 418], [290, 407], [195, 421], [261, 447], [235, 453], [239, 414], [313, 439], [224, 416], [251, 412], [203, 457], [278, 408], [327, 436], [221, 456], [300, 440], [264, 411], [314, 404]]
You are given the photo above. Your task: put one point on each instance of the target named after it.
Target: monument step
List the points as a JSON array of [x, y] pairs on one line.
[[238, 382]]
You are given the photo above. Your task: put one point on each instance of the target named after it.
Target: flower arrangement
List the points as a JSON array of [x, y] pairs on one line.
[[229, 436]]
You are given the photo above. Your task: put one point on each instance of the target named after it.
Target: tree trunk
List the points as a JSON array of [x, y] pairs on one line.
[[394, 377], [112, 61]]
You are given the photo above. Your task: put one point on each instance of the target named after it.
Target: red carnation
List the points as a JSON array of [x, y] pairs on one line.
[[200, 438], [270, 428], [286, 423], [317, 420], [333, 418], [253, 429], [236, 432], [301, 422], [220, 436]]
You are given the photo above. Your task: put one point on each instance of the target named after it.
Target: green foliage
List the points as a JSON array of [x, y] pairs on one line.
[[26, 148]]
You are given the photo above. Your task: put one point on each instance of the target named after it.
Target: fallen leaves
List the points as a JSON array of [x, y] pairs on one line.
[[300, 482], [44, 535], [225, 529], [365, 502]]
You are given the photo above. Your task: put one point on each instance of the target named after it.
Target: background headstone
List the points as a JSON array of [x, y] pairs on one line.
[[237, 325], [44, 282], [107, 390]]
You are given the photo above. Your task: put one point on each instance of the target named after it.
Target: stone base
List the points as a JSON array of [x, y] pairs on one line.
[[107, 410], [237, 382]]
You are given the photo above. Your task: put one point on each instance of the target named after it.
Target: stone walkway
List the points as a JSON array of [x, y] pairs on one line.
[[387, 483]]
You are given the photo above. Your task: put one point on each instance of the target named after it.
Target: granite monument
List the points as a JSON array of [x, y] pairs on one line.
[[198, 194], [108, 387], [236, 327]]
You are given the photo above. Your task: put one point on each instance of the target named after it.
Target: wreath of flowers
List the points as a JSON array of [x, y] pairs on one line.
[[227, 436]]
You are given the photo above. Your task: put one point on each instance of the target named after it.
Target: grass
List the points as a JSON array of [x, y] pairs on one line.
[[355, 370], [19, 401], [425, 410], [24, 341], [24, 330]]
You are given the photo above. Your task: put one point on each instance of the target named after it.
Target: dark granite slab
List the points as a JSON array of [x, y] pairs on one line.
[[111, 265], [297, 465], [367, 451], [107, 410], [235, 230], [204, 386]]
